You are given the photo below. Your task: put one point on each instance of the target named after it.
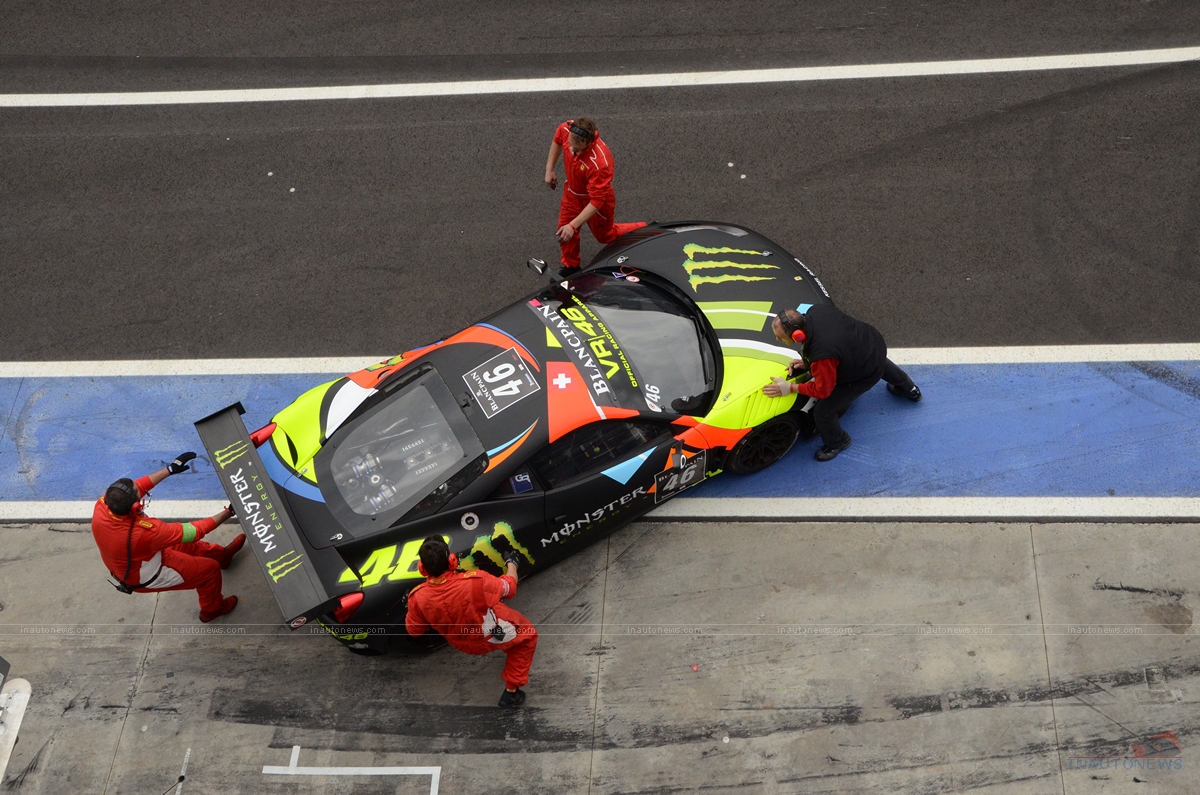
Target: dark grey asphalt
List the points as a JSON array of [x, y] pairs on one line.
[[1041, 208]]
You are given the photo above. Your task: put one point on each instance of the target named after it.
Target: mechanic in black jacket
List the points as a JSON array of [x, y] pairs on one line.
[[845, 357]]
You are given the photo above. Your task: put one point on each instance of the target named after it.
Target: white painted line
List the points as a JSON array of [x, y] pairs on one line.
[[81, 510], [14, 700], [183, 772], [790, 509], [1048, 354], [1031, 354], [435, 773], [610, 82], [897, 509]]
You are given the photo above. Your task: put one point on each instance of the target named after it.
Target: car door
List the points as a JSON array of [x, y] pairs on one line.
[[597, 478]]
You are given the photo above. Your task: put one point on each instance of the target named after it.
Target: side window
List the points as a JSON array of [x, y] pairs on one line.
[[592, 448]]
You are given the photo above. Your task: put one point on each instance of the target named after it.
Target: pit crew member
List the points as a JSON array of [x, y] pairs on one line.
[[464, 608], [147, 555], [588, 195], [845, 357]]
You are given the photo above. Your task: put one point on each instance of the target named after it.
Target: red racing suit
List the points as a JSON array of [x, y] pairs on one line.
[[588, 181], [167, 556], [464, 608]]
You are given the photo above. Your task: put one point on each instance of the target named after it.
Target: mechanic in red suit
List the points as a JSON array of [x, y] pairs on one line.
[[588, 196], [464, 608], [146, 555], [845, 357]]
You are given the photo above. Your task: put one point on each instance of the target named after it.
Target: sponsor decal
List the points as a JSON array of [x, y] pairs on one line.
[[814, 277], [487, 550], [591, 345], [521, 483], [296, 623], [588, 518], [500, 382], [670, 482], [284, 565], [702, 272], [228, 455], [257, 513]]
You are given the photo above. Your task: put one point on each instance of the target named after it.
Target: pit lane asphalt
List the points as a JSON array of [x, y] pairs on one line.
[[1046, 208]]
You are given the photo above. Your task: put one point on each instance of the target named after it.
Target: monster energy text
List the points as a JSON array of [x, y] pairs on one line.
[[257, 514]]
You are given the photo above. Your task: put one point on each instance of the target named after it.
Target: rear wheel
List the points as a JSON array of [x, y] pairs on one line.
[[763, 446]]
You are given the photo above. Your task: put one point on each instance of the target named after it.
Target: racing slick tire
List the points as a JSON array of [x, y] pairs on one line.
[[763, 446]]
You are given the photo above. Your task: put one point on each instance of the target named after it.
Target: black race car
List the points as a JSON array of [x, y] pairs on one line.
[[540, 429]]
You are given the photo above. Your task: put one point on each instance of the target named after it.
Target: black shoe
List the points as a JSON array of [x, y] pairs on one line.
[[913, 394], [828, 453], [512, 698]]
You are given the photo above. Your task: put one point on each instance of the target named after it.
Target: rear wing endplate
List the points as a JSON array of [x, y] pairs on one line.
[[270, 531]]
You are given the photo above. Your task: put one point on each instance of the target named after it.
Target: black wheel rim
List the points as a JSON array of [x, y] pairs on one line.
[[768, 445]]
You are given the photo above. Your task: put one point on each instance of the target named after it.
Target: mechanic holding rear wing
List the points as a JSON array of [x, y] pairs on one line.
[[588, 195], [464, 608], [147, 555], [845, 357]]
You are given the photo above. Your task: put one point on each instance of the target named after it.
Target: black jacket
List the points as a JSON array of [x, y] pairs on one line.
[[858, 346]]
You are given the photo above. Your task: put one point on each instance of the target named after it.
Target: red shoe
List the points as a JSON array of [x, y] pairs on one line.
[[227, 605], [231, 549]]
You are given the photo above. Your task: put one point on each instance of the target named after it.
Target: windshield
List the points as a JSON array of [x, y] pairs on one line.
[[406, 451], [637, 344]]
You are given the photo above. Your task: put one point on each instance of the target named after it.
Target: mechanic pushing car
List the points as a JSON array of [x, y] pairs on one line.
[[147, 555], [588, 195], [845, 357], [464, 608]]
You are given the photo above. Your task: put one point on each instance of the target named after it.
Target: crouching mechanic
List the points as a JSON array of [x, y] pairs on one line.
[[845, 357], [464, 608], [147, 555]]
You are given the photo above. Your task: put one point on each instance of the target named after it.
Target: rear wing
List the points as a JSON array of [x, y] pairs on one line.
[[281, 551]]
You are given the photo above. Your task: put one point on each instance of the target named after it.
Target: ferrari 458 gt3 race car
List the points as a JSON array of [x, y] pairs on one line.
[[540, 429]]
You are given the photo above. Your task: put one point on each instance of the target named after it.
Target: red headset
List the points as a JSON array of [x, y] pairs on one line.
[[453, 566], [797, 335]]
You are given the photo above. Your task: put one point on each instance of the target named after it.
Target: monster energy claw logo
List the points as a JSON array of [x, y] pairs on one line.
[[284, 564], [691, 265], [227, 455]]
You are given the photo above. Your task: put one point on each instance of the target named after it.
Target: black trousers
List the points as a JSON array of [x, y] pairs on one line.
[[827, 413]]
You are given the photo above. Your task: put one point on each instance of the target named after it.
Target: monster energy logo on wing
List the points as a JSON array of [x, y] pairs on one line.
[[696, 279], [227, 455], [284, 564]]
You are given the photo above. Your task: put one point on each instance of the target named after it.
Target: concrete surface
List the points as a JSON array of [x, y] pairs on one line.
[[673, 658]]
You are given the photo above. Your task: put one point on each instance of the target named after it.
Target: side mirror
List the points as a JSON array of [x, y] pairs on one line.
[[538, 266]]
